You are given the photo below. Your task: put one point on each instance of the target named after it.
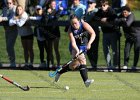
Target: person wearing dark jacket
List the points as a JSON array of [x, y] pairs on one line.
[[42, 44], [106, 15], [132, 35], [92, 53], [53, 33]]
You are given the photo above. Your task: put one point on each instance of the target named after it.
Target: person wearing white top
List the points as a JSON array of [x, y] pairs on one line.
[[26, 34]]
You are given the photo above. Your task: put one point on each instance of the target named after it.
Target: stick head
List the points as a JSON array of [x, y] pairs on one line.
[[27, 88]]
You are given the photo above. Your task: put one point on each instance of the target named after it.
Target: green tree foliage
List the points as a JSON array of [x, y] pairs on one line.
[[134, 4]]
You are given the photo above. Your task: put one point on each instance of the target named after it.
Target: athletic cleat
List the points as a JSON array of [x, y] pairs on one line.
[[124, 67], [0, 64], [88, 82], [13, 64], [57, 77], [42, 65], [133, 68]]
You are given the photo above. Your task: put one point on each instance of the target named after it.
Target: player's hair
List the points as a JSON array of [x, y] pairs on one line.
[[104, 2], [73, 16]]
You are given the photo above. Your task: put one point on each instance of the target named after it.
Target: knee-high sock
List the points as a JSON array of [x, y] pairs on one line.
[[64, 69], [83, 72]]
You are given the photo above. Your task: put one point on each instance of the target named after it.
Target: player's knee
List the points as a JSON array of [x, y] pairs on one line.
[[82, 60], [72, 67], [81, 67]]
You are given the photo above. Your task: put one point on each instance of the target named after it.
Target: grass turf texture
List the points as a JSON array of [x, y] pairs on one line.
[[107, 86]]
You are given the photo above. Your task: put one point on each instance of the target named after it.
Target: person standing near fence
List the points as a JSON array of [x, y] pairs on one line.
[[106, 15], [41, 40], [10, 31], [78, 9], [89, 17], [132, 35], [53, 33], [26, 34]]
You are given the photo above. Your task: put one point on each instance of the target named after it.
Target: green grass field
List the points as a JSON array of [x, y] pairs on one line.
[[107, 86]]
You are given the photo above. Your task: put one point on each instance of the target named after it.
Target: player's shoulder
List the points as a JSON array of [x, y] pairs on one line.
[[84, 23]]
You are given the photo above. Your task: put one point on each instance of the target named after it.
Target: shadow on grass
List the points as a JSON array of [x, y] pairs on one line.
[[39, 87], [32, 87], [42, 87]]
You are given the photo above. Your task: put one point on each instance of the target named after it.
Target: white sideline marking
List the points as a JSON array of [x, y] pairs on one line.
[[107, 90]]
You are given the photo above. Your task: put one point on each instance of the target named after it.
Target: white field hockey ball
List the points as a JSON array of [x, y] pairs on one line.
[[67, 87]]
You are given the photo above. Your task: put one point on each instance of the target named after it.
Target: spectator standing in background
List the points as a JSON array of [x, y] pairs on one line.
[[106, 15], [10, 32], [132, 35], [41, 40], [78, 9], [53, 33], [26, 34], [92, 53]]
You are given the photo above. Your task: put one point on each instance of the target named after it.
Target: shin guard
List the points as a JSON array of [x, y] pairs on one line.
[[83, 72], [64, 69]]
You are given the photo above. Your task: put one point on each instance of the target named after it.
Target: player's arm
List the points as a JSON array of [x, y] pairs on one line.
[[73, 42], [90, 30]]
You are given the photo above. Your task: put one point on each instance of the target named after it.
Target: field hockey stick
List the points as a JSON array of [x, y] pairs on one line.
[[52, 74], [26, 88]]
